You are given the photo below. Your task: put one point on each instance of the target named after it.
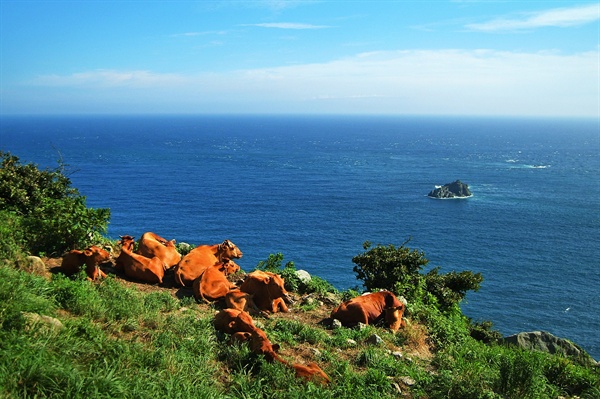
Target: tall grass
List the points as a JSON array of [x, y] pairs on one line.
[[119, 342]]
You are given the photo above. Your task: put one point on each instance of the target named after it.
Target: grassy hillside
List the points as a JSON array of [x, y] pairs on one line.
[[118, 338]]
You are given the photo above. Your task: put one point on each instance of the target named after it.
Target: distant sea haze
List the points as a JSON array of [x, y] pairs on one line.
[[316, 188]]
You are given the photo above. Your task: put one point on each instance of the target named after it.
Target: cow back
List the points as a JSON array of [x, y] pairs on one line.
[[195, 263], [151, 245]]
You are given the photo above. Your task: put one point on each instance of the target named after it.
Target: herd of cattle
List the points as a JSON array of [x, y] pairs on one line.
[[205, 269]]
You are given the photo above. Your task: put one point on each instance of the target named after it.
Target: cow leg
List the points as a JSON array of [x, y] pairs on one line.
[[279, 303], [364, 316]]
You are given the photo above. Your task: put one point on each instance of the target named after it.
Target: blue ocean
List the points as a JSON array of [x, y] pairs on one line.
[[315, 188]]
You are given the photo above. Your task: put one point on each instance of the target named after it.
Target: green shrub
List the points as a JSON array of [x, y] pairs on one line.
[[483, 331], [521, 375], [12, 237], [52, 215], [397, 269], [450, 288], [274, 264], [391, 268]]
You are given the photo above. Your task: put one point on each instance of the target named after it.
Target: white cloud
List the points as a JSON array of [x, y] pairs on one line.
[[415, 82], [103, 78], [288, 25], [557, 17]]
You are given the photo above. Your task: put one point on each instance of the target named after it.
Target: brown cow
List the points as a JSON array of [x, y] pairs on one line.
[[91, 257], [268, 291], [136, 266], [232, 320], [236, 299], [151, 245], [213, 284], [200, 258], [242, 328], [369, 308]]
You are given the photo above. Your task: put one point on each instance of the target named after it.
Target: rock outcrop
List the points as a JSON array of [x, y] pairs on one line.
[[545, 342], [455, 189]]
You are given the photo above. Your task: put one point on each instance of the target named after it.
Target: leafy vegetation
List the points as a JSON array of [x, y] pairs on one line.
[[397, 269], [41, 213], [293, 283], [70, 337]]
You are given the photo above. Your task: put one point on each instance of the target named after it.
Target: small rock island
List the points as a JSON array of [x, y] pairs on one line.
[[456, 189]]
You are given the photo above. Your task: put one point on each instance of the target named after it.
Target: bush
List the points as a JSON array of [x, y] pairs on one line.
[[450, 288], [391, 268], [274, 264], [12, 238], [397, 269], [52, 215]]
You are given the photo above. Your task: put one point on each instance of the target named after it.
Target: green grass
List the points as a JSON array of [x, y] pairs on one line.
[[120, 342]]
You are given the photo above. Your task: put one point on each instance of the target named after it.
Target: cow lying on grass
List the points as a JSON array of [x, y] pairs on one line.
[[242, 329], [202, 257], [138, 267], [91, 257], [213, 284], [151, 245], [369, 308], [267, 291]]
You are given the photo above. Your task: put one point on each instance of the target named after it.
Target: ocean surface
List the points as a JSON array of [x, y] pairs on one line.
[[315, 188]]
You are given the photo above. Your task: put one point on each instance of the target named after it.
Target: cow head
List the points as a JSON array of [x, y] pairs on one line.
[[229, 267], [95, 255], [127, 242], [391, 301], [228, 250], [275, 286], [393, 317]]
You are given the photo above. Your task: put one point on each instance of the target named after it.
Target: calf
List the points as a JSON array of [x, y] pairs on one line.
[[268, 291], [213, 284], [91, 257], [369, 308], [138, 267]]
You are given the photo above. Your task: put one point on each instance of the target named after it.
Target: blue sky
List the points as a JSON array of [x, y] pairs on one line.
[[469, 57]]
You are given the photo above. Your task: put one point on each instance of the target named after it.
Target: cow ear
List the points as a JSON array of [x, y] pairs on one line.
[[88, 252]]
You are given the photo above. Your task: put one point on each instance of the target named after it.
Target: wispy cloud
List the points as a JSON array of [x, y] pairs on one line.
[[556, 17], [288, 25], [103, 78], [205, 33], [416, 81]]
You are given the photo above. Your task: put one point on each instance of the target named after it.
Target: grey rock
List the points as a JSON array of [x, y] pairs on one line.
[[374, 340], [545, 342], [35, 265], [33, 320], [303, 275], [408, 381], [315, 352], [335, 324], [361, 326]]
